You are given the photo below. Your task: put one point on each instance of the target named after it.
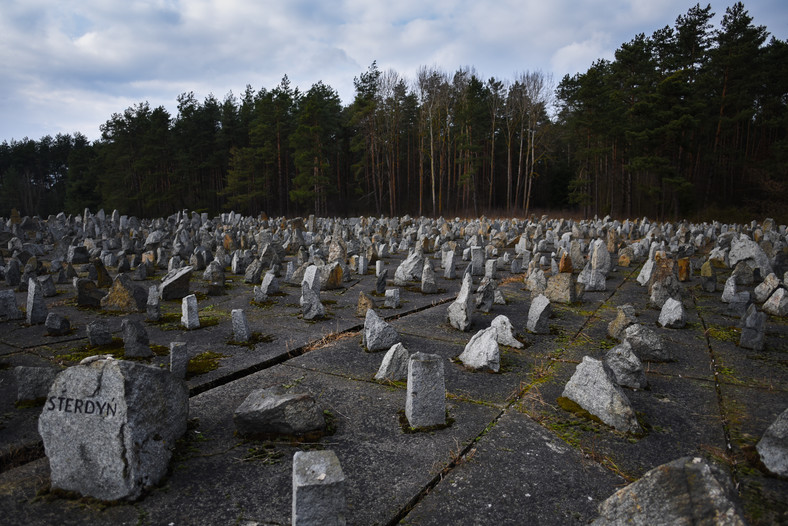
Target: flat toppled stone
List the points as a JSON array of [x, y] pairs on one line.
[[109, 427], [482, 352], [593, 387], [175, 285], [274, 411], [684, 491]]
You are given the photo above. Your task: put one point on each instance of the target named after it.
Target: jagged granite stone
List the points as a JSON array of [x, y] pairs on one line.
[[777, 304], [753, 329], [175, 285], [482, 352], [409, 270], [57, 325], [626, 366], [135, 339], [485, 294], [124, 296], [98, 333], [109, 427], [318, 490], [33, 383], [647, 344], [625, 317], [561, 288], [460, 311], [241, 331], [672, 314], [36, 308], [593, 387], [8, 307], [190, 317], [773, 446], [394, 365], [766, 288], [275, 411], [428, 285], [505, 332], [391, 300], [311, 307], [378, 335], [684, 491], [539, 315], [365, 302]]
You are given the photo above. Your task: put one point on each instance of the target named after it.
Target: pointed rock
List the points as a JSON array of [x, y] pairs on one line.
[[460, 311], [378, 335], [593, 387], [482, 352]]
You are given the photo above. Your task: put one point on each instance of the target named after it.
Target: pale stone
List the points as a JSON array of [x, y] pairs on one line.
[[318, 489], [482, 351], [109, 427], [425, 403], [505, 332]]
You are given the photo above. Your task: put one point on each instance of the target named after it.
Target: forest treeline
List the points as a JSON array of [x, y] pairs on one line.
[[689, 121]]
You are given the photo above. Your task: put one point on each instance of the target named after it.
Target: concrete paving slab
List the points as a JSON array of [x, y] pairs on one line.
[[518, 473]]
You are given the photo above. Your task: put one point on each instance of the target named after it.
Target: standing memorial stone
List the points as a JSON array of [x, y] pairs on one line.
[[109, 427], [773, 446], [391, 300], [753, 329], [428, 285], [380, 284], [98, 333], [318, 489], [179, 359], [241, 332], [460, 311], [311, 306], [425, 403], [449, 271], [539, 315], [593, 387], [482, 351], [378, 335], [135, 339], [189, 312], [33, 383], [152, 306], [477, 261], [8, 307], [379, 267], [394, 365], [57, 325], [36, 309]]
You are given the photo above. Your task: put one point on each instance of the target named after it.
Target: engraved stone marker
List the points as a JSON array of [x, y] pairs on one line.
[[109, 427]]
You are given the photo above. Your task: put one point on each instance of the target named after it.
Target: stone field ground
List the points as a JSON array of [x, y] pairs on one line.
[[511, 454]]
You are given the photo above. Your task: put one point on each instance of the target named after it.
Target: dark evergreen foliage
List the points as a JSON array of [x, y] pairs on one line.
[[691, 120]]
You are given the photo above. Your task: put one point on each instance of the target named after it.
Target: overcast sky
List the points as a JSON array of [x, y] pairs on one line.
[[67, 65]]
